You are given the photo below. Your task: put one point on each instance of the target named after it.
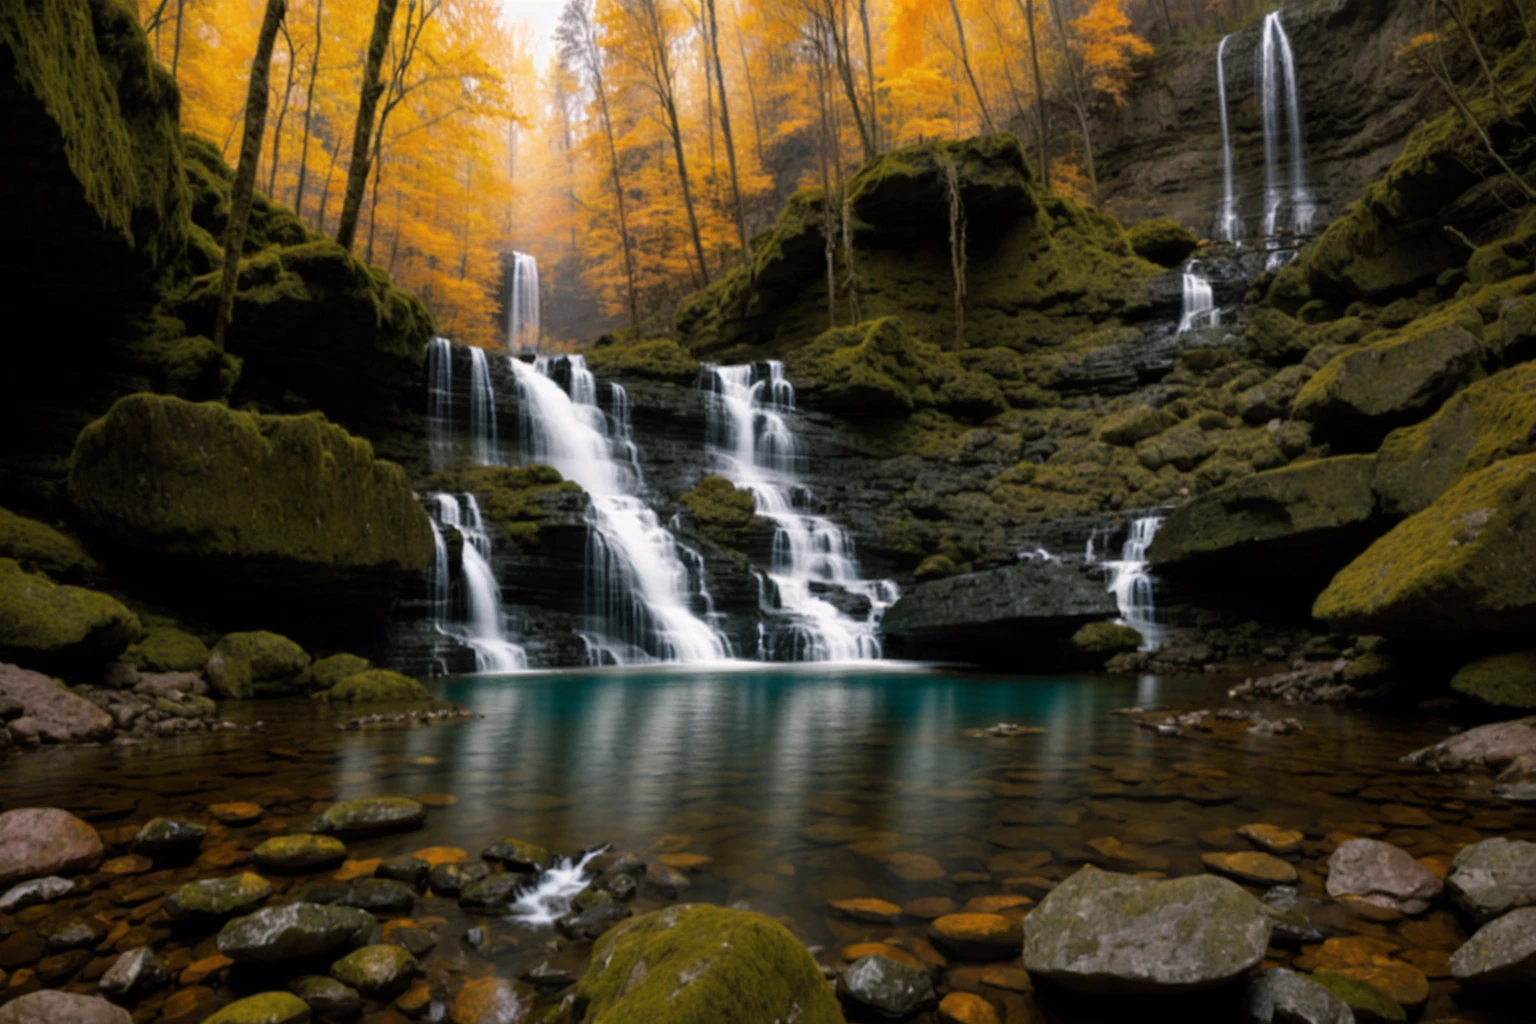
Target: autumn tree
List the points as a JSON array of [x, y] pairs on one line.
[[362, 133]]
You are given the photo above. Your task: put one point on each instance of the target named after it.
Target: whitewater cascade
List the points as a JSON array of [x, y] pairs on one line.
[[1131, 583], [482, 626], [1229, 226], [440, 401], [752, 445], [1199, 304], [1279, 97], [523, 309], [482, 409], [641, 593]]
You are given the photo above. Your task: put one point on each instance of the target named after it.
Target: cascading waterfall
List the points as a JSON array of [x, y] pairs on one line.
[[523, 313], [1199, 305], [751, 441], [1131, 583], [640, 594], [483, 626], [1229, 226], [1279, 97], [482, 409], [440, 401]]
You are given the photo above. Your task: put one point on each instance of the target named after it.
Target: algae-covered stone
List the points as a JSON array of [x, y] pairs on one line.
[[879, 369], [40, 548], [375, 971], [695, 964], [517, 855], [1184, 447], [1137, 423], [266, 1008], [301, 852], [377, 685], [1369, 1004], [1162, 241], [218, 897], [165, 837], [167, 649], [886, 988], [374, 814], [721, 510], [259, 664], [327, 996], [1502, 952], [1502, 680], [1273, 337], [1105, 932], [1102, 639], [325, 673], [44, 624], [293, 931], [657, 358], [1461, 565], [1280, 996]]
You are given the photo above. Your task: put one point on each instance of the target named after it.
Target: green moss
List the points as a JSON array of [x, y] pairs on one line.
[[1137, 423], [325, 673], [44, 624], [935, 567], [246, 665], [1103, 639], [698, 964], [658, 358], [376, 685], [878, 368], [41, 548], [721, 510], [1502, 680], [1162, 241], [166, 649], [520, 501], [266, 1008], [1366, 1000]]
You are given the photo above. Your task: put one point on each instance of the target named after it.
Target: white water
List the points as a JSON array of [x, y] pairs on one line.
[[1279, 97], [1229, 225], [551, 896], [1199, 304], [1131, 583], [753, 447], [523, 312], [482, 409], [483, 627], [639, 592], [440, 401]]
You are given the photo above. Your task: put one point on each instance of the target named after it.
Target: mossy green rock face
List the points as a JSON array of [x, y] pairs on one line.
[[44, 624], [1137, 423], [327, 672], [375, 971], [1102, 639], [1463, 565], [40, 548], [1369, 1004], [167, 649], [1162, 241], [1104, 932], [657, 358], [259, 664], [301, 852], [1274, 337], [697, 964], [722, 511], [521, 500], [218, 897], [1491, 420], [377, 685], [1502, 680], [292, 931], [327, 996], [267, 1008], [260, 509], [1184, 447], [374, 814]]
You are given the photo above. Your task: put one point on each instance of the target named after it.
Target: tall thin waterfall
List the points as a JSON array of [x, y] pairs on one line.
[[1131, 583], [1279, 97], [812, 558], [1199, 306], [482, 409], [523, 309], [640, 594], [440, 401], [1229, 225], [482, 626]]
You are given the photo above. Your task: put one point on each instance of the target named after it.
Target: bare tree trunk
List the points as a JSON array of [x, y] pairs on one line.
[[725, 130], [309, 110], [245, 172], [829, 245], [1028, 10], [844, 62], [181, 7], [746, 70], [325, 193], [282, 114], [869, 74], [965, 62], [362, 133]]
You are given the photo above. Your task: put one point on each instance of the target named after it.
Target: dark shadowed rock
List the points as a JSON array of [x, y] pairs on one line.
[[886, 988], [1493, 877], [293, 931], [136, 973], [53, 1007], [1285, 997], [50, 712]]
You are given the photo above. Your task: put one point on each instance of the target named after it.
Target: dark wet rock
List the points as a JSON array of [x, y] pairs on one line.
[[375, 971], [1381, 874], [450, 879], [38, 841], [293, 931], [1284, 997], [218, 897], [1105, 932], [266, 1008], [894, 991], [374, 814], [327, 996], [1503, 748], [493, 894], [380, 896], [621, 886], [300, 852], [30, 894], [1501, 952], [592, 898], [622, 861], [53, 1007], [976, 935], [594, 921], [670, 882], [516, 855], [547, 975], [134, 974], [327, 890], [416, 941], [169, 837], [1493, 877], [79, 933], [411, 870], [44, 711], [1369, 1004]]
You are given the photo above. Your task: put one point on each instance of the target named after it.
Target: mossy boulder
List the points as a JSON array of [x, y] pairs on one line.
[[1273, 337], [1133, 425], [521, 502], [722, 511], [48, 625], [168, 649], [1101, 640], [285, 516], [40, 548], [879, 368], [656, 358], [258, 664], [293, 931], [1183, 447], [1463, 565], [375, 686], [697, 964], [373, 814], [1365, 1001], [300, 852], [1491, 420], [1162, 241], [375, 971], [265, 1008], [1502, 680], [211, 898], [325, 673]]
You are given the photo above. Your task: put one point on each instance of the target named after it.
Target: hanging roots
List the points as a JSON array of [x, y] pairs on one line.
[[956, 239]]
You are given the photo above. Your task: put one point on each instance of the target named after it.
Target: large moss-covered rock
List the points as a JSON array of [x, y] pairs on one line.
[[519, 501], [287, 514], [265, 1008], [1467, 563], [327, 672], [44, 624], [722, 511], [258, 664], [696, 964], [168, 649], [657, 358], [374, 686], [1162, 241], [1502, 680], [1491, 420], [40, 548]]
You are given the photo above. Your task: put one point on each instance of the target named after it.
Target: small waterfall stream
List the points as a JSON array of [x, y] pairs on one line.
[[523, 308], [640, 592], [1131, 583], [1199, 303], [482, 409], [813, 559], [1279, 98], [482, 626], [1229, 225]]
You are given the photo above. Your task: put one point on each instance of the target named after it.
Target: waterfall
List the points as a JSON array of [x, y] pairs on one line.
[[1131, 583], [440, 401], [812, 558], [482, 626], [639, 592], [1199, 305], [482, 409], [523, 309], [1229, 226], [1278, 96]]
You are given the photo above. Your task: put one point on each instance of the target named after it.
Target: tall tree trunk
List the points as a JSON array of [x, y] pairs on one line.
[[630, 283], [245, 172], [1027, 9], [829, 246], [869, 75], [362, 132], [746, 71], [725, 130], [965, 62], [325, 193], [282, 115], [309, 110], [844, 62], [670, 108], [1080, 100], [181, 7]]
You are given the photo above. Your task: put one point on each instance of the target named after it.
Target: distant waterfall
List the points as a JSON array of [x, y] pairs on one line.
[[1131, 583], [523, 309], [481, 626], [640, 592], [812, 558], [1199, 305], [482, 409], [1229, 224], [1279, 97]]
